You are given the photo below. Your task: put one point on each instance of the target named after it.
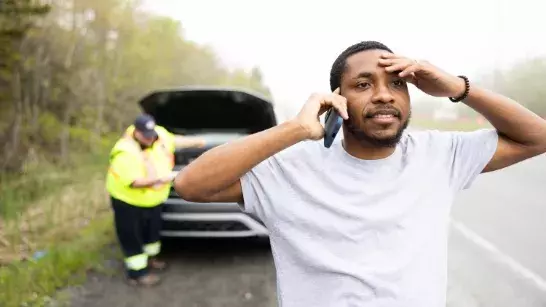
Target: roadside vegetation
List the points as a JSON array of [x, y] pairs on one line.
[[70, 77]]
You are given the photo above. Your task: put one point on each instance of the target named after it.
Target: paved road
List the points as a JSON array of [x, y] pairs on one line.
[[498, 242], [497, 256]]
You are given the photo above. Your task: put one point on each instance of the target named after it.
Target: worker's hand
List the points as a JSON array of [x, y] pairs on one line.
[[167, 179], [163, 180]]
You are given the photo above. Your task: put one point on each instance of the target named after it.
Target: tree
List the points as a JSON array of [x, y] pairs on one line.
[[72, 72], [17, 18]]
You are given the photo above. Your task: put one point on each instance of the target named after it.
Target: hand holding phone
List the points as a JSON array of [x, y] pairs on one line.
[[316, 105]]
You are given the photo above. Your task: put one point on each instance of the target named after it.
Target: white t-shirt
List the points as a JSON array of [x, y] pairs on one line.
[[366, 233]]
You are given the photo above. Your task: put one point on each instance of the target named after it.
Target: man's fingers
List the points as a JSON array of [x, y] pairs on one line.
[[411, 79], [388, 55], [342, 110], [403, 66], [399, 66], [385, 62], [339, 103], [410, 70], [332, 100]]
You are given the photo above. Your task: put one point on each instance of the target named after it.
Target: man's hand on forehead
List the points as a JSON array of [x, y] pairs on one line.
[[425, 76], [402, 66]]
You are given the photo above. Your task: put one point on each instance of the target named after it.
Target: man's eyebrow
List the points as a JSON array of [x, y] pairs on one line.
[[364, 74]]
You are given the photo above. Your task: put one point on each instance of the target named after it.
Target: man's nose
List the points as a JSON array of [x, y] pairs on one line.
[[383, 95]]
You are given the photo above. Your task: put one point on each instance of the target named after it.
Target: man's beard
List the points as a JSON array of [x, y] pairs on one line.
[[363, 137]]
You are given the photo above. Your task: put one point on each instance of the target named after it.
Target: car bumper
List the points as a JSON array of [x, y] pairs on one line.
[[213, 220]]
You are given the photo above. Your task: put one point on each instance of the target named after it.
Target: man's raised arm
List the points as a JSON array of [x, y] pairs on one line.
[[214, 176], [522, 133], [182, 141]]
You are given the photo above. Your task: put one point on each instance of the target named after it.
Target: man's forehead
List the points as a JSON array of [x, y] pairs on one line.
[[364, 61]]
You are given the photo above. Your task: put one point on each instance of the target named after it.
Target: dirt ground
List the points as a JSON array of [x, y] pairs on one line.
[[202, 273]]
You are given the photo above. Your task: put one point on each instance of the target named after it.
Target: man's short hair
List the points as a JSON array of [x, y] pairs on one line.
[[338, 68]]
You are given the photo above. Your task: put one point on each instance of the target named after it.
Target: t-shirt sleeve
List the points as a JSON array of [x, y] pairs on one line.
[[255, 183], [469, 154]]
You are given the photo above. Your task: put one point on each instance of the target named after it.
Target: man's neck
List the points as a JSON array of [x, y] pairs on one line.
[[361, 150]]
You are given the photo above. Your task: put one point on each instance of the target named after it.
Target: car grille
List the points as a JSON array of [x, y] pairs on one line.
[[204, 226]]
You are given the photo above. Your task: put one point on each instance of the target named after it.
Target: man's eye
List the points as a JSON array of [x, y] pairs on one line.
[[399, 82], [363, 85]]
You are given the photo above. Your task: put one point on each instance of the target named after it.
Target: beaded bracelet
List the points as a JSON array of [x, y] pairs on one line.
[[466, 90]]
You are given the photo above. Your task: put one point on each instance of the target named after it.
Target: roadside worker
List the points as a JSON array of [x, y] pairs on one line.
[[139, 181]]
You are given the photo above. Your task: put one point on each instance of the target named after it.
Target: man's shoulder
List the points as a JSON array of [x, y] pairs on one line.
[[124, 145], [434, 139], [162, 130], [305, 151], [302, 148], [427, 139], [429, 134], [425, 132], [436, 134]]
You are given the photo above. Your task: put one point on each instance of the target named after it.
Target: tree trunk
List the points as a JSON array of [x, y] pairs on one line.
[[11, 147], [37, 90], [65, 133], [101, 100]]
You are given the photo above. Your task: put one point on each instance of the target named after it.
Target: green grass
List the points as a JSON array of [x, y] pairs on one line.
[[54, 217], [33, 283], [59, 209], [20, 191]]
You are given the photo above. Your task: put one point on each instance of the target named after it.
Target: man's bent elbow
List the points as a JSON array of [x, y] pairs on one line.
[[186, 190]]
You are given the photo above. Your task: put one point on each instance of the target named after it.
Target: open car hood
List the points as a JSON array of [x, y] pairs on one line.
[[191, 110]]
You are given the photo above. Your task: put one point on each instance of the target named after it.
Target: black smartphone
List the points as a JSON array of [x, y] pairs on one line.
[[332, 124]]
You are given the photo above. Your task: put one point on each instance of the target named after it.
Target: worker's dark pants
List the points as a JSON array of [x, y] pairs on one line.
[[138, 231]]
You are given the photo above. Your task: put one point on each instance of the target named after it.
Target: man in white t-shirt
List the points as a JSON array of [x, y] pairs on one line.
[[364, 223]]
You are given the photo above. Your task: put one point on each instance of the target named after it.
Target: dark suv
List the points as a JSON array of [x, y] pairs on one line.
[[218, 115]]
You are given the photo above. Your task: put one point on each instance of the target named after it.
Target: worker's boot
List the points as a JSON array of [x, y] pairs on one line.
[[156, 264], [147, 280]]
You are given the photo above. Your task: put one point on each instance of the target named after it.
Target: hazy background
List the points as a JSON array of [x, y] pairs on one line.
[[295, 42]]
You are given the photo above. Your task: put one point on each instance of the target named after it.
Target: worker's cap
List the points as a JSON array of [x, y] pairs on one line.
[[145, 124]]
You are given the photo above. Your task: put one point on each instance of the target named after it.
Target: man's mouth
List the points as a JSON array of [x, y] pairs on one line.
[[384, 116]]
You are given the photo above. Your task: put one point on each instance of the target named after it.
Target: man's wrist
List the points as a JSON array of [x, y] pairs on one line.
[[297, 130], [459, 87]]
